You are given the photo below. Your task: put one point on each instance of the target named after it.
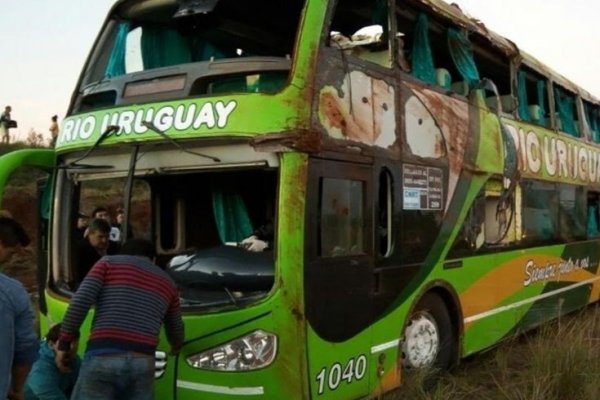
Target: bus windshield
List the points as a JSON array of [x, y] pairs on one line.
[[197, 220], [163, 50]]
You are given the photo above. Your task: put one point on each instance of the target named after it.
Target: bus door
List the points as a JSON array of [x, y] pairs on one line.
[[339, 278]]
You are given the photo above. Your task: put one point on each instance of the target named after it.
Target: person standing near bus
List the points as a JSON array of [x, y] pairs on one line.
[[5, 124], [133, 297], [18, 339], [53, 130]]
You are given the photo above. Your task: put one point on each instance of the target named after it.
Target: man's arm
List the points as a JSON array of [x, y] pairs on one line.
[[26, 342], [174, 324], [81, 302]]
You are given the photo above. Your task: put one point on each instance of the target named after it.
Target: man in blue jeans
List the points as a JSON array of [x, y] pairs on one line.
[[133, 297], [18, 339]]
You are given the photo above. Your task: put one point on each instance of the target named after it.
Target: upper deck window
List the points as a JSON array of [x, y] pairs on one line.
[[532, 93], [236, 47], [565, 111], [361, 29]]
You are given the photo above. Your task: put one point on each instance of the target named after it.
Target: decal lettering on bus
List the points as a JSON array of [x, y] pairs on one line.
[[180, 118], [554, 156], [536, 273]]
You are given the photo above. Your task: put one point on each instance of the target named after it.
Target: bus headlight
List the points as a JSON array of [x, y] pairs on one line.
[[254, 351]]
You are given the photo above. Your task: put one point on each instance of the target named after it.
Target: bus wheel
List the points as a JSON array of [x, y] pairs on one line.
[[428, 337]]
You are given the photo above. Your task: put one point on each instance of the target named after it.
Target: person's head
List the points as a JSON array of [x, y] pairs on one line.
[[98, 232], [8, 108], [52, 339], [100, 213], [12, 238], [82, 221], [54, 118], [120, 215], [139, 247]]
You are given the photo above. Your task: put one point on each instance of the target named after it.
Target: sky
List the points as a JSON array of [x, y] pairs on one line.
[[45, 43]]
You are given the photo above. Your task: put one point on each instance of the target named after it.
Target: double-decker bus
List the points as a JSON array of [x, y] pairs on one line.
[[433, 189]]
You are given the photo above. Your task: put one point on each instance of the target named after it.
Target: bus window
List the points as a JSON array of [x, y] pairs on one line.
[[571, 212], [360, 29], [252, 44], [592, 219], [565, 115], [493, 64], [539, 211], [471, 236], [533, 97], [500, 215], [490, 222], [342, 218], [385, 212], [592, 120]]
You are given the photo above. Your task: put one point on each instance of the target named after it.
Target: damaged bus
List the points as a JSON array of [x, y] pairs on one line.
[[432, 188]]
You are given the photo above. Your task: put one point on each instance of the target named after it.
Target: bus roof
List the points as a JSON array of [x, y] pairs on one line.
[[458, 17]]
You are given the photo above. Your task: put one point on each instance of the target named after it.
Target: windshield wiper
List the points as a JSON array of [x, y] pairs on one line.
[[162, 134], [109, 131]]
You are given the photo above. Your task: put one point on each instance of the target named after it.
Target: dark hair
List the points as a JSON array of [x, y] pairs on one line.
[[98, 224], [97, 210], [54, 117], [54, 333], [12, 233], [139, 247]]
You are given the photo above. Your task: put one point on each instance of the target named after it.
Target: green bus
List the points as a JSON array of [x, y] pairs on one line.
[[432, 188]]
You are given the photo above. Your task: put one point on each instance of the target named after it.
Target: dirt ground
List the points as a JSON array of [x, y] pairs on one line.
[[20, 203]]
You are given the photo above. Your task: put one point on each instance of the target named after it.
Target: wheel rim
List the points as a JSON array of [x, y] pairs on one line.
[[421, 342]]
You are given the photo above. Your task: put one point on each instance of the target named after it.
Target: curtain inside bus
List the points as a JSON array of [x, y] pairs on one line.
[[522, 95], [593, 120], [116, 62], [564, 105], [541, 93], [461, 51], [592, 222], [163, 47], [231, 216], [422, 57]]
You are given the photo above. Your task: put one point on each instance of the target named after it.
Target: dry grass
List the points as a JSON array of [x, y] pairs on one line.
[[559, 361]]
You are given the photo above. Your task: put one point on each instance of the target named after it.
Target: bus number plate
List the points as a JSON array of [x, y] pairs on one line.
[[334, 376]]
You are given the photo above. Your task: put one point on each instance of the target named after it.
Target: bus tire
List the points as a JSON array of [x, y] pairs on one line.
[[429, 341]]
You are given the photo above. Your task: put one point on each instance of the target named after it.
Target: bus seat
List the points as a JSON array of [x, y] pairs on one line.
[[536, 113], [507, 101], [443, 77], [461, 88], [558, 122]]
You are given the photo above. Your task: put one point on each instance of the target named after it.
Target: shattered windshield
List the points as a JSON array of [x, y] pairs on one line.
[[248, 45], [213, 231]]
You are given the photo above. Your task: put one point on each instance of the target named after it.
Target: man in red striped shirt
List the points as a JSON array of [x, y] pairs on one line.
[[132, 298]]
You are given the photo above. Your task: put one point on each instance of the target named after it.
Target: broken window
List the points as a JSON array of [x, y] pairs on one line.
[[360, 29], [539, 212], [237, 47], [592, 119], [491, 221], [593, 215], [533, 97], [565, 116], [197, 221], [572, 212]]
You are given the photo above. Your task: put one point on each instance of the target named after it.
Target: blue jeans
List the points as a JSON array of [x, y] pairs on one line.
[[126, 376]]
